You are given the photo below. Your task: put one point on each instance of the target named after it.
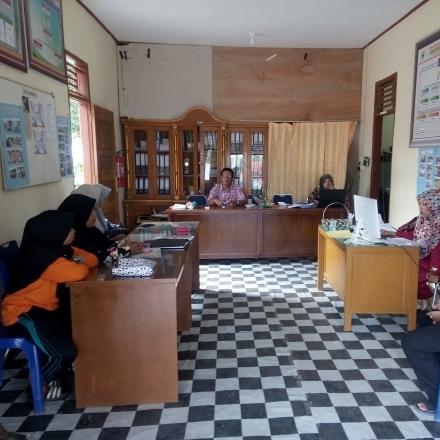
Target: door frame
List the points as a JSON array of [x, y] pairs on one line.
[[377, 133]]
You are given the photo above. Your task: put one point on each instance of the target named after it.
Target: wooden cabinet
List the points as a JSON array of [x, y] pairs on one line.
[[169, 160]]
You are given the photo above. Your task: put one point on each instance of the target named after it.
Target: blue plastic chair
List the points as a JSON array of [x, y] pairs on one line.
[[437, 411], [198, 198], [7, 343], [33, 365], [286, 198]]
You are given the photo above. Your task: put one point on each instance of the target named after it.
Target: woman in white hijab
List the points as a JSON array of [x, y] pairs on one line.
[[100, 193]]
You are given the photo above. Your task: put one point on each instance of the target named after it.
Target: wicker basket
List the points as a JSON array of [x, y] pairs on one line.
[[335, 224]]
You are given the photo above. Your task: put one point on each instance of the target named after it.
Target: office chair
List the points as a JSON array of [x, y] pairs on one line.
[[286, 198], [8, 252], [200, 199]]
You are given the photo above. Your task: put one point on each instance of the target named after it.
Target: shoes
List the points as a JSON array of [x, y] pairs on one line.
[[425, 408], [53, 391], [422, 304]]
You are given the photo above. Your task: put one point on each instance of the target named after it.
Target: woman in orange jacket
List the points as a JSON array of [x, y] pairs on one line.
[[46, 260]]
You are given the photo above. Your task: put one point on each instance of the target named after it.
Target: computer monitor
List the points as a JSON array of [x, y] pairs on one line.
[[327, 196], [367, 217]]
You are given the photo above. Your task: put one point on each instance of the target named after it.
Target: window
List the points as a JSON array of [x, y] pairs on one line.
[[80, 119]]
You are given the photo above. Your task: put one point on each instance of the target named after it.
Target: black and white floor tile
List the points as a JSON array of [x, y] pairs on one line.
[[266, 358]]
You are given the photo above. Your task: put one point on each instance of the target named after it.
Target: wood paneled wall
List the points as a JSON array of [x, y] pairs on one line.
[[327, 85]]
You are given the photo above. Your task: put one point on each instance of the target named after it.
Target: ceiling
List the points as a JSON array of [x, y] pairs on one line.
[[259, 23]]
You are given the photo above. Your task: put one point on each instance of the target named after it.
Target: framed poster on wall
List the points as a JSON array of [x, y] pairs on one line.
[[29, 143], [428, 174], [12, 43], [44, 25], [425, 127]]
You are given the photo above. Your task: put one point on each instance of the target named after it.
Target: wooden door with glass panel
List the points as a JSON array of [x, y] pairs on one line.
[[256, 161], [211, 150], [104, 136], [245, 155], [138, 159], [188, 161], [162, 168]]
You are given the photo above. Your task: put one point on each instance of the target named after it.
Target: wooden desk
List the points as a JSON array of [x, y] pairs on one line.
[[126, 330], [256, 232], [370, 279]]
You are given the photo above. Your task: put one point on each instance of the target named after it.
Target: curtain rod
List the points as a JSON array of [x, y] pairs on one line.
[[293, 122]]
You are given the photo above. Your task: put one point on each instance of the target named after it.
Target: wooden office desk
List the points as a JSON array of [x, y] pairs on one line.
[[256, 232], [126, 330], [370, 279]]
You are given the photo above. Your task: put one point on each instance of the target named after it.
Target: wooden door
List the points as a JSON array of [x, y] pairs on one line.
[[384, 104], [105, 150]]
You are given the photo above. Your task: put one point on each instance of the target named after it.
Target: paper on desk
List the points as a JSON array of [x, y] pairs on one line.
[[302, 205], [343, 233], [177, 206], [398, 241], [387, 227]]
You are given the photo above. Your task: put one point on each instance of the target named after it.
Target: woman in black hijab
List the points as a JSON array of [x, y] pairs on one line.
[[88, 236], [32, 308], [41, 245]]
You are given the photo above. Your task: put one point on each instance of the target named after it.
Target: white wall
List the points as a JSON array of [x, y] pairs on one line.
[[395, 52], [87, 39], [164, 86]]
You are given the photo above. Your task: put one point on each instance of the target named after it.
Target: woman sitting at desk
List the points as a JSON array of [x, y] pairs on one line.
[[88, 236], [425, 231], [101, 193], [226, 194], [325, 182], [34, 307]]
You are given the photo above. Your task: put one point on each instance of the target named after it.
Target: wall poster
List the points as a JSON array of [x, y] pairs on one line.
[[28, 136], [65, 146], [428, 172], [44, 23], [12, 47], [425, 128]]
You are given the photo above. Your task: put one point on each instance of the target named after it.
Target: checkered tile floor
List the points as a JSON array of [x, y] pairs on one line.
[[266, 358]]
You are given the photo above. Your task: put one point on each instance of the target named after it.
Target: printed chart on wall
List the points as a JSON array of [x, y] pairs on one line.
[[429, 169], [426, 99], [28, 136], [65, 146]]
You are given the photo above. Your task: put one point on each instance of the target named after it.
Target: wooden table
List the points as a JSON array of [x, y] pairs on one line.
[[126, 330], [256, 232], [370, 279]]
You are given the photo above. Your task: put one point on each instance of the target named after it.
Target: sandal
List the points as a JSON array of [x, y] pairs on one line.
[[425, 408], [53, 391]]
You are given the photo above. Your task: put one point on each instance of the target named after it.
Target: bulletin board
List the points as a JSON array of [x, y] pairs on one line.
[[28, 136], [425, 128], [428, 173]]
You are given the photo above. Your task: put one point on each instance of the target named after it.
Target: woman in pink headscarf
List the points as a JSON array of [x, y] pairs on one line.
[[425, 231]]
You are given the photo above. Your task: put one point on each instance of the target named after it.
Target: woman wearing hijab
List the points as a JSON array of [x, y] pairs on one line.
[[87, 235], [31, 309], [422, 346], [425, 231], [100, 193], [325, 182]]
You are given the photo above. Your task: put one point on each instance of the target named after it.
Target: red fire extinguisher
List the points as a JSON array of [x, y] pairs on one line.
[[120, 170]]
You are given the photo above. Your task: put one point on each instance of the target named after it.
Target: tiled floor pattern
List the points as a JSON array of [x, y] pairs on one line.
[[266, 358]]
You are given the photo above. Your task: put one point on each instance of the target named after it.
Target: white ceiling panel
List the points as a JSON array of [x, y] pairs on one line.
[[261, 23]]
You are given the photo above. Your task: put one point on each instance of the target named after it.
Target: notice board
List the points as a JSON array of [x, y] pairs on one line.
[[28, 136]]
